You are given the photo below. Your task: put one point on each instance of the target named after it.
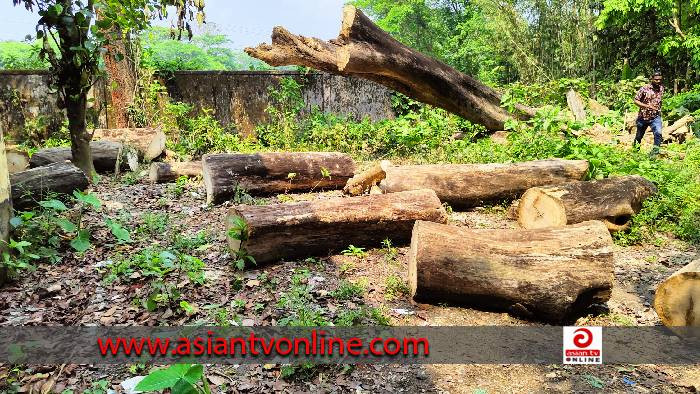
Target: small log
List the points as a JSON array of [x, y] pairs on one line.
[[313, 228], [469, 185], [613, 201], [552, 274], [5, 206], [267, 173], [105, 155], [17, 160], [169, 172], [150, 142], [576, 105], [365, 180], [31, 186], [677, 300]]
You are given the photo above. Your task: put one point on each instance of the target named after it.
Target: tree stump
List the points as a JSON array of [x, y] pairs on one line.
[[677, 300], [31, 186], [170, 172], [551, 274]]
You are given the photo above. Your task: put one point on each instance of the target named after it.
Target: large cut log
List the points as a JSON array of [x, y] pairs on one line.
[[150, 142], [268, 173], [677, 300], [364, 50], [31, 186], [169, 172], [105, 156], [17, 159], [5, 206], [313, 228], [613, 201], [468, 185], [552, 274], [365, 180]]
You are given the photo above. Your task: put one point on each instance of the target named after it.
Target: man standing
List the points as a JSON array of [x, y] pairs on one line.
[[648, 99]]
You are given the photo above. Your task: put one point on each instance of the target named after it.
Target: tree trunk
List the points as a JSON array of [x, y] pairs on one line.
[[150, 142], [31, 186], [364, 181], [105, 156], [122, 77], [469, 185], [76, 106], [677, 300], [366, 51], [5, 206], [315, 228], [268, 173], [613, 201], [169, 172], [552, 274], [17, 160]]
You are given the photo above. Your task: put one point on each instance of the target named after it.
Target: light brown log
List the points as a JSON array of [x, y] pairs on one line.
[[469, 185], [105, 156], [614, 201], [313, 228], [597, 108], [5, 206], [364, 181], [31, 186], [552, 274], [677, 300], [17, 159], [679, 130], [267, 173], [364, 50], [576, 105], [170, 172], [150, 142]]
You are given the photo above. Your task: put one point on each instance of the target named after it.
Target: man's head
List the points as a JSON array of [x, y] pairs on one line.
[[656, 78]]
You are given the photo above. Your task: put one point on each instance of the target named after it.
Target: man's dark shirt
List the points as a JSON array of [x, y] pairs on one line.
[[648, 95]]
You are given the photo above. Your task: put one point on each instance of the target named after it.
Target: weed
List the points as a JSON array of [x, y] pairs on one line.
[[153, 223], [348, 290], [354, 251], [390, 251], [395, 288]]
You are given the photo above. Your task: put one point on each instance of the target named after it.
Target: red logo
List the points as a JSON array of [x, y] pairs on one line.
[[583, 337]]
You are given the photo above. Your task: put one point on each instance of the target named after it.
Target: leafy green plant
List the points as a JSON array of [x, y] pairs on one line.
[[395, 288], [238, 230], [348, 290], [179, 378], [354, 251]]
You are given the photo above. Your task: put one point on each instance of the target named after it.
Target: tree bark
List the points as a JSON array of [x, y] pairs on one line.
[[364, 181], [105, 156], [122, 77], [31, 186], [169, 172], [150, 142], [268, 173], [364, 50], [76, 106], [677, 300], [552, 274], [469, 185], [312, 228], [5, 206], [613, 201]]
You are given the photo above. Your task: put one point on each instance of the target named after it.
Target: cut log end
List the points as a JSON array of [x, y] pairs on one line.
[[677, 300], [538, 209], [208, 185]]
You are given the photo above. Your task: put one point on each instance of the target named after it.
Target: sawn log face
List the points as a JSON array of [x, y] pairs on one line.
[[677, 300]]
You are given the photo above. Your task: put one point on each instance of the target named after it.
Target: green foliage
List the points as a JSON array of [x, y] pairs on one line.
[[21, 56], [156, 263], [354, 251], [395, 288], [179, 378], [348, 290], [297, 302]]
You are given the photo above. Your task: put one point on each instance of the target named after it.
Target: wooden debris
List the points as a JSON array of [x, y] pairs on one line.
[[576, 105], [169, 172], [150, 142], [677, 300], [31, 186], [679, 131], [366, 180], [597, 108], [105, 156]]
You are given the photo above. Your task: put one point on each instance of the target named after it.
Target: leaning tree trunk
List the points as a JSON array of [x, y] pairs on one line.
[[76, 107], [677, 300], [5, 206], [312, 228], [552, 274], [364, 50], [613, 201]]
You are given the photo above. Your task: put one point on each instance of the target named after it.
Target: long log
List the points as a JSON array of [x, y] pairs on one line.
[[469, 185], [364, 50], [31, 186], [677, 300], [313, 228], [150, 142], [268, 173], [169, 172], [105, 156], [5, 206], [613, 201], [551, 274]]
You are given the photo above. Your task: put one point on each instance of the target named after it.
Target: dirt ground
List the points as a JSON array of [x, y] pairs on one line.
[[73, 292]]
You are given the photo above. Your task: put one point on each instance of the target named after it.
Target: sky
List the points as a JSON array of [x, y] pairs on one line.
[[245, 22]]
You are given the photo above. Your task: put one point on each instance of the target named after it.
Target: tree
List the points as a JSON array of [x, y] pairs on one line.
[[73, 41]]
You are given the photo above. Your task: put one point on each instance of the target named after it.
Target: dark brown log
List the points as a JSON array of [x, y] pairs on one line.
[[17, 160], [551, 274], [613, 201], [469, 185], [31, 186], [364, 181], [169, 172], [268, 173], [313, 228], [150, 142], [105, 155], [5, 206], [364, 50], [677, 300]]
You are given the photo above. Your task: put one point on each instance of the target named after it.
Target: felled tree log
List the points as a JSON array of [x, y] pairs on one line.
[[268, 173], [5, 206], [551, 274], [365, 180], [576, 105], [169, 172], [17, 160], [33, 185], [677, 300], [679, 130], [613, 201], [319, 227], [468, 185], [364, 50], [105, 156], [150, 142]]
